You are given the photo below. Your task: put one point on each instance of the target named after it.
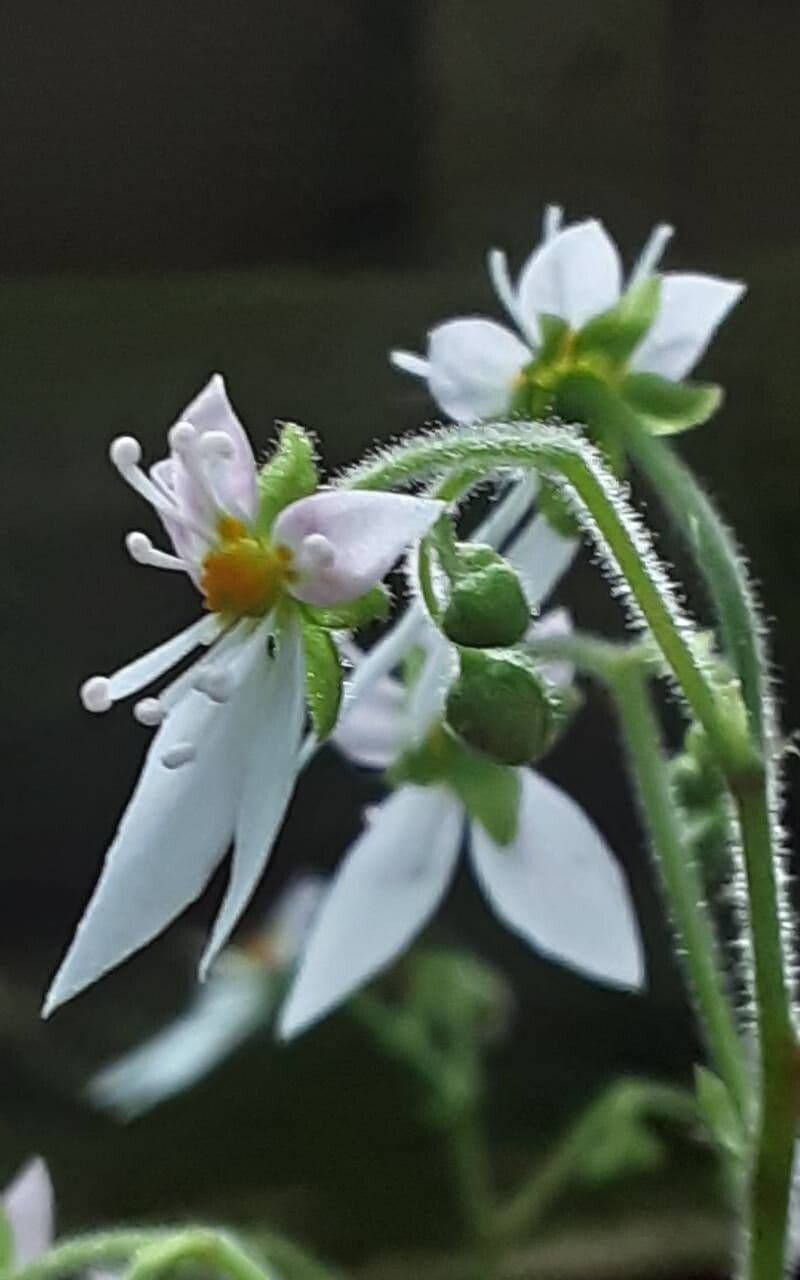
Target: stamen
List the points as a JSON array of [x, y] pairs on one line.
[[316, 552], [149, 712], [551, 223], [182, 753], [125, 453], [142, 671], [501, 279], [410, 363], [216, 444], [95, 694], [652, 253], [141, 549], [217, 683]]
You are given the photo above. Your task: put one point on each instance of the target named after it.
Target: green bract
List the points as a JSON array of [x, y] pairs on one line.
[[665, 407], [500, 706], [615, 334], [371, 607], [288, 475], [487, 607], [323, 677]]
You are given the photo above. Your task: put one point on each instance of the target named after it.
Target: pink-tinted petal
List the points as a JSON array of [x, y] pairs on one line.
[[575, 275], [235, 481], [344, 542], [691, 309]]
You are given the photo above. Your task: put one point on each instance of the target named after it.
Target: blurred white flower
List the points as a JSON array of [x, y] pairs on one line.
[[556, 883], [223, 762], [238, 1000], [473, 365], [28, 1204]]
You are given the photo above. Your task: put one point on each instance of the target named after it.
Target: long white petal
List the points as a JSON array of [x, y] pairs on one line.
[[172, 836], [575, 275], [473, 367], [560, 887], [370, 729], [691, 309], [385, 891], [273, 729], [29, 1206], [541, 557], [363, 535], [223, 1014]]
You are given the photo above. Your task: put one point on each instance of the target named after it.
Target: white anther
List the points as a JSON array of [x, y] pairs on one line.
[[551, 223], [182, 753], [149, 712], [216, 444], [216, 683], [139, 547], [652, 252], [125, 452], [95, 694], [182, 437], [316, 552]]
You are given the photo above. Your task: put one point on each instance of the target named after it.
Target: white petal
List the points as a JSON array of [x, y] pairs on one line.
[[29, 1206], [370, 728], [211, 410], [541, 557], [289, 923], [691, 309], [555, 625], [385, 891], [560, 887], [473, 366], [428, 693], [173, 834], [273, 729], [366, 532], [575, 275], [222, 1015], [507, 511]]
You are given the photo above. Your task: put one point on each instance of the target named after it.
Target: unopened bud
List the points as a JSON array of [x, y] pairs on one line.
[[487, 606], [500, 706]]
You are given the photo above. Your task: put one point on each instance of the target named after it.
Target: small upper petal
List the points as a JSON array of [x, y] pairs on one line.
[[211, 410], [29, 1206], [559, 885], [364, 532], [473, 366], [691, 309], [575, 275], [385, 891]]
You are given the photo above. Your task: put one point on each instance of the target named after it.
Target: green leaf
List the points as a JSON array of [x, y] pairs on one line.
[[489, 791], [718, 1112], [371, 607], [615, 334], [668, 407], [323, 678], [288, 475], [6, 1243]]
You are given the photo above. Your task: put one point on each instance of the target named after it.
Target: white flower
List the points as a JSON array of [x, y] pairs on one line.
[[28, 1205], [473, 365], [237, 1001], [223, 761], [557, 883]]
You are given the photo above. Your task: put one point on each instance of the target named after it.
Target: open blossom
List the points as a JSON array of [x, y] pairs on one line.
[[475, 367], [222, 764], [238, 1000], [556, 882], [28, 1205]]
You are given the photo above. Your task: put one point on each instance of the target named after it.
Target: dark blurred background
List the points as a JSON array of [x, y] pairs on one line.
[[282, 192]]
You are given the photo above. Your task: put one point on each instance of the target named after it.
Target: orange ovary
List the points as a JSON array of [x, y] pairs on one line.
[[243, 576]]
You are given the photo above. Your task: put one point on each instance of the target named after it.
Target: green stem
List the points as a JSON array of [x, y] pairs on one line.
[[695, 930], [214, 1250], [469, 1162], [97, 1250], [777, 1119]]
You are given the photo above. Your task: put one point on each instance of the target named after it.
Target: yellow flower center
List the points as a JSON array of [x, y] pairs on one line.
[[244, 575]]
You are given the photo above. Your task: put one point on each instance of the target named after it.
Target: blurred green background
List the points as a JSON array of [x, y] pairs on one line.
[[282, 193]]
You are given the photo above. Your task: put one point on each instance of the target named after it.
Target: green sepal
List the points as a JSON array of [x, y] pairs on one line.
[[665, 407], [616, 333], [6, 1243], [372, 607], [719, 1113], [501, 706], [487, 607], [553, 333], [289, 474], [323, 677], [489, 791]]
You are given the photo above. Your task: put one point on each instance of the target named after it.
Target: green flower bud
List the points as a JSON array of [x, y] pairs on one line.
[[487, 607], [501, 706]]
